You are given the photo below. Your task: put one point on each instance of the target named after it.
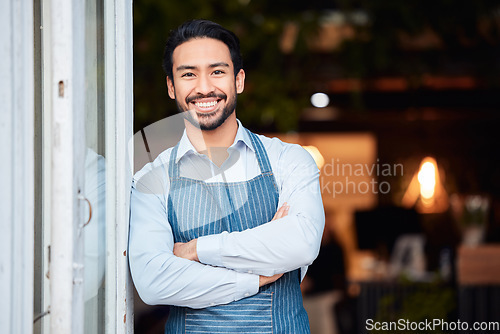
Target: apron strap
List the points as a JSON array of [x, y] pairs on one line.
[[260, 152], [173, 168]]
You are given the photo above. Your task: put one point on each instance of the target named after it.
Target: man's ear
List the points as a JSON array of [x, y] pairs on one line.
[[240, 81], [170, 88]]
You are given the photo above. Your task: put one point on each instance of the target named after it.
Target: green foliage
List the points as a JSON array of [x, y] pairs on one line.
[[459, 26], [427, 302], [278, 85]]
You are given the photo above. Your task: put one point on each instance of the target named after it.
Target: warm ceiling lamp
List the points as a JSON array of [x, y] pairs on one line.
[[426, 192], [316, 154]]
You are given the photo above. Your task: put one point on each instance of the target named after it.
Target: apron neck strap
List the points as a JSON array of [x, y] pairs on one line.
[[260, 153], [173, 168]]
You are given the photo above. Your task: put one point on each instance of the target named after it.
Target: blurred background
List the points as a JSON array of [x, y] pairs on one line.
[[399, 104]]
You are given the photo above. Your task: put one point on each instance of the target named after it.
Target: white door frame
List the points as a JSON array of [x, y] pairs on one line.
[[119, 157], [67, 164], [63, 100], [67, 51], [17, 169]]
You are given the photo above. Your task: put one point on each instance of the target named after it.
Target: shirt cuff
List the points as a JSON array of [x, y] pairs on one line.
[[246, 285], [208, 250]]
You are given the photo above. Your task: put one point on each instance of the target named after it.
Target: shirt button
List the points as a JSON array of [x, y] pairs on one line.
[[212, 304], [247, 294], [250, 272]]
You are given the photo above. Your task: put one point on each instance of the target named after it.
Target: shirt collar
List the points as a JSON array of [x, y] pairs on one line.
[[242, 136]]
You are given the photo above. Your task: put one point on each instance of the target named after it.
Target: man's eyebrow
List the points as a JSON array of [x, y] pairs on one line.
[[185, 67], [218, 65], [192, 67]]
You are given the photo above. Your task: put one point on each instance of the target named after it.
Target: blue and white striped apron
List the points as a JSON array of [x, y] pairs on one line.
[[195, 209]]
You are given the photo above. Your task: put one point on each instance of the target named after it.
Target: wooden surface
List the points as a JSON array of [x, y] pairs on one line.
[[479, 265]]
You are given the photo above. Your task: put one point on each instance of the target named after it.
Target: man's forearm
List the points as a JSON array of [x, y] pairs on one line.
[[170, 280], [275, 247], [163, 278], [188, 250], [281, 245]]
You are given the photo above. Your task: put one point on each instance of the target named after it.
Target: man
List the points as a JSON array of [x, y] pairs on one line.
[[206, 234]]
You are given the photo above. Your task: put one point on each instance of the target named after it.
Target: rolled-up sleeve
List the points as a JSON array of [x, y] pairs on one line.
[[161, 277], [284, 244]]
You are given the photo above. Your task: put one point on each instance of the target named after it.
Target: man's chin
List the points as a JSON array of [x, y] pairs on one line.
[[203, 123], [206, 115], [210, 120], [211, 125]]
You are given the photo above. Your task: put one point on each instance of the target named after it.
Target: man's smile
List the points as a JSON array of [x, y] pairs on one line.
[[206, 105]]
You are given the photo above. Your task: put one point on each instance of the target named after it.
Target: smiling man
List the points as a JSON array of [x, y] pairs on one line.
[[202, 88], [224, 224]]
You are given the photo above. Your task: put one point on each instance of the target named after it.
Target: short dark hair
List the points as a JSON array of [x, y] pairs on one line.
[[201, 29]]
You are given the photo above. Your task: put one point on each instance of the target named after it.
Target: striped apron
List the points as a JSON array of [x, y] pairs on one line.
[[195, 209]]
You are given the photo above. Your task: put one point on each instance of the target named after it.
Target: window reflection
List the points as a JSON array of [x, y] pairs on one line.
[[95, 242], [95, 169]]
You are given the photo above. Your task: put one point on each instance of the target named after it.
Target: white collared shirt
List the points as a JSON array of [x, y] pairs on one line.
[[230, 263]]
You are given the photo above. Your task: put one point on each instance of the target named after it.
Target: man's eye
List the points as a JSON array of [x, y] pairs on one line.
[[218, 72], [187, 75]]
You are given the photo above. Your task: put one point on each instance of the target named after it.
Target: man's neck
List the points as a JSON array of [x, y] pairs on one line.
[[222, 137]]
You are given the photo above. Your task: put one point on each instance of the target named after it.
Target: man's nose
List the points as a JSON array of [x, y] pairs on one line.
[[205, 85]]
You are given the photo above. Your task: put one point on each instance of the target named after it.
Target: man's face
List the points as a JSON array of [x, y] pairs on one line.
[[203, 83]]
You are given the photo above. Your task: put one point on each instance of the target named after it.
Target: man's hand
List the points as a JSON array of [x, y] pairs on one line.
[[263, 280], [282, 211], [186, 250]]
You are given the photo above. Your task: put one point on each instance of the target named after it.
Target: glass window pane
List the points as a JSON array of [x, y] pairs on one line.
[[95, 169]]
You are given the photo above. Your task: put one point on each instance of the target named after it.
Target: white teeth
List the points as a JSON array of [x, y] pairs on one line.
[[206, 104]]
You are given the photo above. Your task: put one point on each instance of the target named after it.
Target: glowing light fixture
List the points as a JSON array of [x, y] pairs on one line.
[[316, 154], [426, 192], [320, 100], [427, 179]]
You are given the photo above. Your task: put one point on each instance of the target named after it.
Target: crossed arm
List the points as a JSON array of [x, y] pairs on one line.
[[222, 268], [281, 245], [187, 250], [160, 277]]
